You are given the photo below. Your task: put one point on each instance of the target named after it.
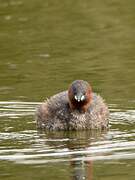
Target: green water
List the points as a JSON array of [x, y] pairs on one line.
[[44, 46]]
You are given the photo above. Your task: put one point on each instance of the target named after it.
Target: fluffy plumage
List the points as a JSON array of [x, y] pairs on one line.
[[57, 113]]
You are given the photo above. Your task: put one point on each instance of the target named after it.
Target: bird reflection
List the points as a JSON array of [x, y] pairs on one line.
[[81, 170], [76, 141]]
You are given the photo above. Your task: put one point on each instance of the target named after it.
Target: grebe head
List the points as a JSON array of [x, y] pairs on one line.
[[79, 95]]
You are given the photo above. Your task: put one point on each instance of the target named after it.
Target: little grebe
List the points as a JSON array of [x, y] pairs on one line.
[[76, 109]]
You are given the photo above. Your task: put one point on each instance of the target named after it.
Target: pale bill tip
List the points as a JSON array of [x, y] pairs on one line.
[[79, 99]]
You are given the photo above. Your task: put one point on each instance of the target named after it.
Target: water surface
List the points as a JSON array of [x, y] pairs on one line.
[[45, 45]]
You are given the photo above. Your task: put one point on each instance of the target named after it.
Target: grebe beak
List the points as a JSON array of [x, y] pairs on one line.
[[79, 97]]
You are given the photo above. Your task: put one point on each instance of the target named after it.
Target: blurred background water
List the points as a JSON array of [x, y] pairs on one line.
[[44, 46]]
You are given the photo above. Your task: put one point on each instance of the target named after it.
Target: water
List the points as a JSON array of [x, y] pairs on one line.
[[45, 45]]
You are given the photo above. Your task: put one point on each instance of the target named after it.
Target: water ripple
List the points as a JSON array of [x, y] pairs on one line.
[[15, 109], [118, 150], [117, 143]]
